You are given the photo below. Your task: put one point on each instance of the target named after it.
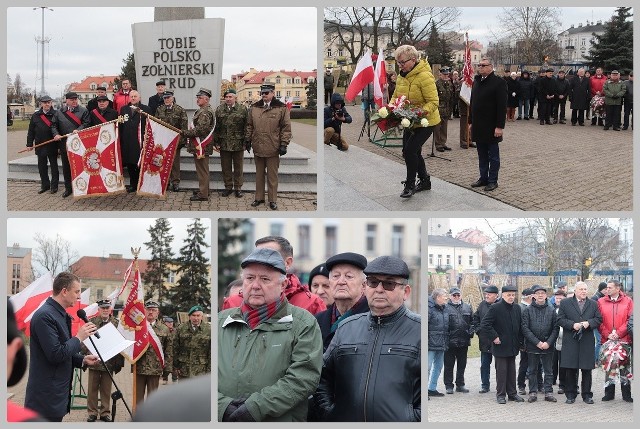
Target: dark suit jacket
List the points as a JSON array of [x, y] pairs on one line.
[[488, 108], [578, 353]]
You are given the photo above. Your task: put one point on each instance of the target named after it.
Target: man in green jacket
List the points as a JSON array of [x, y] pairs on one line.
[[192, 345], [228, 139], [613, 90], [269, 351]]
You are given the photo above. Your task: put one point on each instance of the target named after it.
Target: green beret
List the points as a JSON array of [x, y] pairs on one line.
[[194, 309]]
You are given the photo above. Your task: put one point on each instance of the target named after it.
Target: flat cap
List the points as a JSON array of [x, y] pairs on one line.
[[455, 290], [615, 72], [550, 69], [229, 91], [104, 303], [267, 87], [445, 70], [167, 319], [194, 309], [45, 98], [561, 71], [71, 95], [102, 98], [509, 288], [101, 88], [536, 288], [491, 289], [561, 284], [355, 259], [264, 256], [320, 270], [167, 94], [151, 304], [560, 292], [160, 82], [388, 265], [525, 292], [204, 91]]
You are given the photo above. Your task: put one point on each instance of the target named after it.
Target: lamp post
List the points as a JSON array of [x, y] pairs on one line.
[[42, 42]]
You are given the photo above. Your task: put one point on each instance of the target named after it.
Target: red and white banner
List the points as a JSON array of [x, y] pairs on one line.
[[156, 159], [380, 80], [94, 157], [83, 302], [25, 303], [201, 143], [362, 76], [287, 101], [467, 74]]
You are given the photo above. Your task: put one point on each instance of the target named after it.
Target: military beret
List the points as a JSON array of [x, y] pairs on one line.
[[101, 88], [151, 304], [267, 87], [525, 292], [536, 288], [167, 94], [509, 288], [264, 256], [104, 303], [167, 319], [71, 95], [491, 289], [229, 91], [350, 258], [45, 98], [388, 265], [204, 91], [102, 98], [160, 82], [194, 309], [320, 270], [455, 290]]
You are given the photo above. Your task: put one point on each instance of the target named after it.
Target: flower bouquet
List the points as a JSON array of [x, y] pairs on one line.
[[399, 114], [597, 106], [616, 360]]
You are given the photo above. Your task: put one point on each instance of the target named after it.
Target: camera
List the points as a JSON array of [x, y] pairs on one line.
[[339, 112]]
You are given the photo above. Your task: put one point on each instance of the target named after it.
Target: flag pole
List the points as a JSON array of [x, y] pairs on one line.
[[120, 119], [135, 251], [158, 120]]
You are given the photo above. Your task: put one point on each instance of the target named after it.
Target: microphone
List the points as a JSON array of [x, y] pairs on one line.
[[83, 316]]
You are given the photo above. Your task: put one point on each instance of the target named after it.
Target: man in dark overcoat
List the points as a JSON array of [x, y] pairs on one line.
[[579, 94], [42, 127], [487, 117], [132, 137], [502, 325], [579, 317], [484, 344]]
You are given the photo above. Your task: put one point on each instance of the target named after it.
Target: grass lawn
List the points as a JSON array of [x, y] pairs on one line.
[[313, 122], [18, 125]]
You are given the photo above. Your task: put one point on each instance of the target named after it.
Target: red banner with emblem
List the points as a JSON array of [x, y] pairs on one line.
[[133, 321], [156, 159], [94, 157]]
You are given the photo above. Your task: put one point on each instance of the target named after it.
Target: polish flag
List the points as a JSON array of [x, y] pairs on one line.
[[92, 309], [379, 80], [25, 303], [83, 302], [362, 76], [467, 74]]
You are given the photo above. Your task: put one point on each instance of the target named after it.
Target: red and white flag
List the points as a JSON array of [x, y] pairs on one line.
[[83, 302], [362, 76], [94, 157], [201, 143], [467, 73], [156, 159], [380, 80], [26, 303], [287, 101]]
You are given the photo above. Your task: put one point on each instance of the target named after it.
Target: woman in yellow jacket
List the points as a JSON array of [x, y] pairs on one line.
[[416, 82]]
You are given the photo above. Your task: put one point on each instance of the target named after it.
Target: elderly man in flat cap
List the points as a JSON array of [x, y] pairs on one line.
[[319, 284], [490, 297], [269, 351], [460, 334], [228, 138], [192, 345], [268, 133], [102, 112], [157, 99], [371, 370], [503, 326], [42, 127], [93, 103]]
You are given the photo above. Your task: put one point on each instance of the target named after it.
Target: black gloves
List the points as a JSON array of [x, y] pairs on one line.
[[231, 408], [247, 145], [241, 414], [282, 150]]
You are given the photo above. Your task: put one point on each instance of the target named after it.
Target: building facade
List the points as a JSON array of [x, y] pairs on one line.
[[576, 41], [86, 88], [19, 272], [288, 84]]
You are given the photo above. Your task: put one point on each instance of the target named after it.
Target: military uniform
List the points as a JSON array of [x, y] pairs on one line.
[[193, 349], [172, 335], [203, 123], [176, 116], [148, 367], [231, 123], [445, 96]]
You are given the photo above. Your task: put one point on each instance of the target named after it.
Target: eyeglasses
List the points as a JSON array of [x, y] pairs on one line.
[[264, 92], [402, 63], [455, 294], [483, 65], [388, 285]]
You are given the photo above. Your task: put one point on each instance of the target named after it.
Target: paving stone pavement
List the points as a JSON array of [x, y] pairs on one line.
[[557, 167], [482, 407]]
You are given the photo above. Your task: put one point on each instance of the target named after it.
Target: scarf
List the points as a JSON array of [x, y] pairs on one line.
[[336, 318], [256, 316]]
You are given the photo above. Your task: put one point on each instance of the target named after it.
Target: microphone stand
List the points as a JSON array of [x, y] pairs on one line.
[[433, 145], [115, 395]]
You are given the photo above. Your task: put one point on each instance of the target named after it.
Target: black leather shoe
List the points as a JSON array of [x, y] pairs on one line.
[[490, 187], [450, 390], [616, 129], [434, 393], [408, 190], [273, 206], [238, 193], [560, 391], [43, 190], [570, 401], [226, 192], [92, 418], [607, 398], [501, 400], [472, 145], [446, 147], [483, 390], [175, 187], [588, 400], [625, 128], [582, 124], [131, 188], [53, 190], [606, 128], [440, 149], [516, 398], [423, 185], [105, 418], [629, 399], [66, 193], [462, 389], [256, 203], [478, 183], [198, 198]]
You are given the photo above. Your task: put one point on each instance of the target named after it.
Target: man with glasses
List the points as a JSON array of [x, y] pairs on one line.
[[371, 370], [487, 117], [121, 98], [460, 333]]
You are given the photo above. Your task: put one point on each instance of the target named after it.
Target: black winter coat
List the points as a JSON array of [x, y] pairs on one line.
[[539, 323], [547, 86], [40, 132], [483, 342], [132, 133], [578, 352], [324, 321], [53, 355], [108, 114], [580, 93], [330, 110], [525, 86], [460, 331], [67, 125], [155, 101], [371, 370], [504, 321], [512, 88], [438, 326], [488, 108], [563, 87]]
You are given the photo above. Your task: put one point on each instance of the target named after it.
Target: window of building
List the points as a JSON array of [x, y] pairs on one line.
[[93, 86], [329, 52], [297, 80], [171, 277], [459, 259], [16, 271], [99, 294], [448, 259], [340, 53], [583, 42], [471, 260], [310, 79], [439, 260], [397, 240], [277, 229], [288, 93], [106, 85], [250, 94], [15, 287], [297, 93], [331, 240], [431, 259], [372, 231], [304, 240], [278, 94], [277, 80], [289, 80]]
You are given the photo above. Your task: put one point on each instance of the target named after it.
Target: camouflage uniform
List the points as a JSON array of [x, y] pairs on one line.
[[193, 349], [203, 122], [445, 95], [177, 117], [148, 367], [165, 373], [231, 124]]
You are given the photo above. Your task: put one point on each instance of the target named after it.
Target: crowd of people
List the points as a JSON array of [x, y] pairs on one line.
[[348, 349], [230, 129], [558, 339]]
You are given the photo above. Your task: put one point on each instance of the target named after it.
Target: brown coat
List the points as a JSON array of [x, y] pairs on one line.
[[267, 129]]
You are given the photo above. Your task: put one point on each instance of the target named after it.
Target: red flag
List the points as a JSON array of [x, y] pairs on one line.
[[467, 73], [362, 76], [380, 80], [157, 155], [25, 303], [83, 302], [202, 143]]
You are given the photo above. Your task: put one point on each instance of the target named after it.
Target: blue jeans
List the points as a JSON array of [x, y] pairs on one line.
[[598, 339], [524, 103], [488, 161], [485, 369], [435, 364]]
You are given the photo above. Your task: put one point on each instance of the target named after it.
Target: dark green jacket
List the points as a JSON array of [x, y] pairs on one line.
[[613, 92], [231, 124], [192, 349], [149, 363], [203, 123]]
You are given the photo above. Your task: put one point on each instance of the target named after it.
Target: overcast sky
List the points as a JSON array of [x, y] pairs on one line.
[[100, 237], [497, 225], [92, 41]]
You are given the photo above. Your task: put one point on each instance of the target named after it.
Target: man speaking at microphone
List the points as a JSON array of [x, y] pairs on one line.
[[54, 352]]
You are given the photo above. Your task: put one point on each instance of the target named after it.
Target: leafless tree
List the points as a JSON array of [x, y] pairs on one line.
[[54, 254]]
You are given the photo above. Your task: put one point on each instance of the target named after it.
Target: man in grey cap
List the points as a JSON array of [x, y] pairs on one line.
[[269, 351], [614, 90], [386, 338], [460, 334], [43, 125], [523, 364], [490, 297]]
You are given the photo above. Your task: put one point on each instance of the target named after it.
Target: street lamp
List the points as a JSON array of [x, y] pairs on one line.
[[42, 42]]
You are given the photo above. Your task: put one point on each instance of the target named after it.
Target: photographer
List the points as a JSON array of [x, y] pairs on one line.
[[334, 116]]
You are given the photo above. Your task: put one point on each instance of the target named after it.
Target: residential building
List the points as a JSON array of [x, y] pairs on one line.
[[86, 88], [19, 273], [453, 256], [336, 53], [576, 41], [288, 84]]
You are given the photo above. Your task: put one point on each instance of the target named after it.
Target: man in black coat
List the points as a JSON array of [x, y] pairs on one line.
[[503, 326], [484, 344], [42, 127], [560, 100], [93, 103], [54, 352], [580, 92], [546, 96], [487, 117], [102, 113], [460, 333], [579, 317], [157, 100], [132, 137]]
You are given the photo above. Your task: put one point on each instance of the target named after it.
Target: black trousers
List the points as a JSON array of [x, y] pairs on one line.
[[559, 373], [537, 364], [571, 387], [452, 355], [577, 116], [613, 115], [545, 109], [412, 141], [43, 169], [66, 167], [134, 174], [523, 372], [628, 110], [505, 376], [327, 95], [532, 105], [559, 107]]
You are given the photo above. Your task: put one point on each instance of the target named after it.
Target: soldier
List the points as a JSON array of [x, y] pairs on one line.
[[203, 122], [157, 99], [445, 97], [99, 380], [71, 117], [269, 131], [173, 114], [93, 103], [149, 369], [168, 322], [457, 85], [103, 113], [41, 128], [193, 345], [231, 123]]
